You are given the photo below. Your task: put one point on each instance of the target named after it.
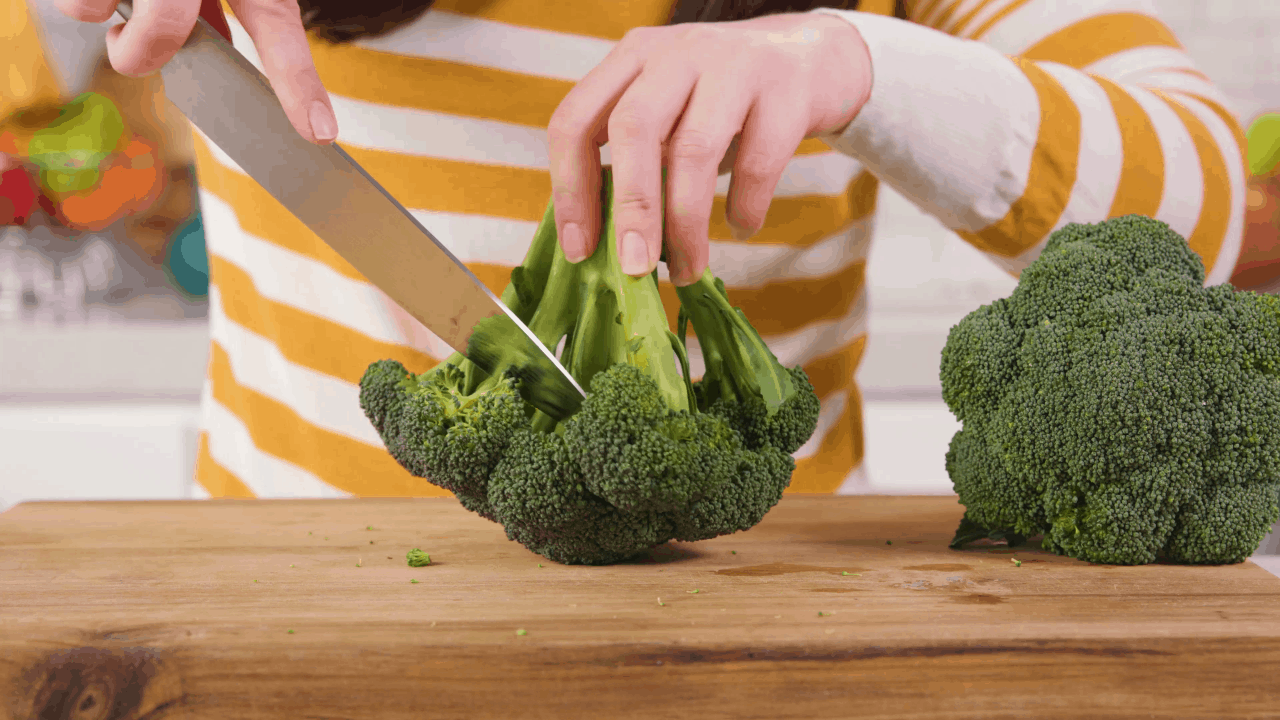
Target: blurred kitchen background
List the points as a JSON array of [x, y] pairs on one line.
[[103, 333]]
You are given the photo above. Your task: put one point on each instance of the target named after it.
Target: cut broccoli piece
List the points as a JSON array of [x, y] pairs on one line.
[[643, 461]]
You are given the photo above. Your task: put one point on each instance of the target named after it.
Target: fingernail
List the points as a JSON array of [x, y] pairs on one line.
[[324, 126], [633, 254], [573, 242]]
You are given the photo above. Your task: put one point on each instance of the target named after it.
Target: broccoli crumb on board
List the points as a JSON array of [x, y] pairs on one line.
[[521, 632], [360, 562], [733, 552], [291, 632], [660, 603], [1016, 562], [417, 558], [413, 582], [888, 542], [368, 527], [693, 592], [846, 572]]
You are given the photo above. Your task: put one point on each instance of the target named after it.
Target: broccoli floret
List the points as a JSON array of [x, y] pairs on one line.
[[1116, 406], [436, 430], [771, 406], [638, 454], [757, 486], [540, 497], [641, 462]]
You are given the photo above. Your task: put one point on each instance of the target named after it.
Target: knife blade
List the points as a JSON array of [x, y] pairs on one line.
[[232, 103]]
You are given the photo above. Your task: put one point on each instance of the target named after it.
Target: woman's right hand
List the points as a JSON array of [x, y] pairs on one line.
[[159, 28]]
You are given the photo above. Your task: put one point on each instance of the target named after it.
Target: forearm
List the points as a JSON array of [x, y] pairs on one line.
[[1004, 150]]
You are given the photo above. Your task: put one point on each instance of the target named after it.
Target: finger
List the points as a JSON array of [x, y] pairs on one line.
[[156, 31], [276, 29], [578, 127], [715, 113], [94, 11], [770, 137], [638, 130]]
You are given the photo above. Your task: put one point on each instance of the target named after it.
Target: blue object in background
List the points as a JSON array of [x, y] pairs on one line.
[[188, 259]]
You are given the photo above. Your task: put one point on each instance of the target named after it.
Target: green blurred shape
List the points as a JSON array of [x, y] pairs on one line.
[[1263, 140], [61, 181], [86, 132]]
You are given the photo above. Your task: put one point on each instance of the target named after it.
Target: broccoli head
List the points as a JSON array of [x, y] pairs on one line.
[[646, 459], [1116, 406]]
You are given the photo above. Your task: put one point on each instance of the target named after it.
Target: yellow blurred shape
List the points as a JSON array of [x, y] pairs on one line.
[[29, 80]]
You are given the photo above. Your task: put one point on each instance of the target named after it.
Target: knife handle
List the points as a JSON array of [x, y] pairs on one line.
[[210, 12]]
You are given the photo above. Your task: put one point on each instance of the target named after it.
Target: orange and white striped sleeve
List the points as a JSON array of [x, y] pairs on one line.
[[1007, 119]]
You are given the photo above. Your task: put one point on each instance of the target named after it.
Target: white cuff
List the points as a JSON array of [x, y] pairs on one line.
[[950, 124]]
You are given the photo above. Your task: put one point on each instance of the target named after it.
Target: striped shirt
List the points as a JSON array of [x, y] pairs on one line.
[[1005, 119]]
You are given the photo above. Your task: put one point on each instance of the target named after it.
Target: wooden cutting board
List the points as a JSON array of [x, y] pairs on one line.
[[295, 609]]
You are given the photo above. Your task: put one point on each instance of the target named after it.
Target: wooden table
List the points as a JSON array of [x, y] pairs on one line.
[[237, 610]]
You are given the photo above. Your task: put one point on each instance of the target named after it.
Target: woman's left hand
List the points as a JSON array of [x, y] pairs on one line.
[[681, 96]]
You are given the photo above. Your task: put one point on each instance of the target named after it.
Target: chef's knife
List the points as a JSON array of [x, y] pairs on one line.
[[232, 103]]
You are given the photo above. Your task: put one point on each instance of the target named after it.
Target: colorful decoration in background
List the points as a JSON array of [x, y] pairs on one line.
[[188, 260], [17, 196], [1259, 264], [90, 170]]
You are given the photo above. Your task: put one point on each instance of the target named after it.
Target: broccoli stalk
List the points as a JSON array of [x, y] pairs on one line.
[[607, 318], [744, 382]]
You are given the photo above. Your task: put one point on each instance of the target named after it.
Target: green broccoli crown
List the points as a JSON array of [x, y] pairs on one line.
[[643, 461], [762, 476], [638, 454], [1117, 406], [541, 499], [770, 405]]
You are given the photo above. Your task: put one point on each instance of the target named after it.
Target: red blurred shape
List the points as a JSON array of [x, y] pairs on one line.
[[17, 196]]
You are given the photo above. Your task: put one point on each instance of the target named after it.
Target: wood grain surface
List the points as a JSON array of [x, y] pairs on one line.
[[306, 609]]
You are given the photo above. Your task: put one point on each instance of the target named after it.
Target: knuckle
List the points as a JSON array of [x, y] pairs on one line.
[[639, 34], [693, 147], [633, 200], [81, 10], [171, 22], [629, 123], [755, 165], [565, 128]]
